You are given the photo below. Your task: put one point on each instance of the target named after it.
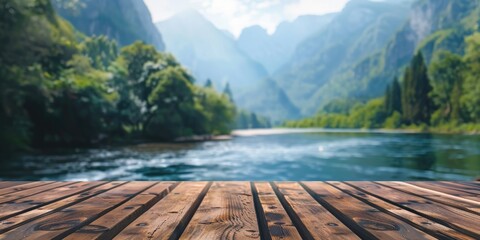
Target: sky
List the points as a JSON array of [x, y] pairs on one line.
[[235, 15]]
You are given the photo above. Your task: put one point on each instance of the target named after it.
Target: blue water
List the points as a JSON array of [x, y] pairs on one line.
[[299, 156]]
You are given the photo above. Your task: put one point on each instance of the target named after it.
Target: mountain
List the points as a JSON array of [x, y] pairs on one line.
[[432, 26], [208, 52], [268, 99], [274, 50], [363, 27], [123, 20]]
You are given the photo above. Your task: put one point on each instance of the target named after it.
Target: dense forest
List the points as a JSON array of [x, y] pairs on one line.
[[445, 96], [61, 88]]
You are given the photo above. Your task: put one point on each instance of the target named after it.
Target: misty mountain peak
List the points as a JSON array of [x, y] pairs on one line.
[[255, 30]]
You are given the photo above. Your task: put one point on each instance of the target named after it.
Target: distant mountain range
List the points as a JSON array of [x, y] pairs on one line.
[[123, 20], [360, 29], [210, 53], [274, 50], [305, 63]]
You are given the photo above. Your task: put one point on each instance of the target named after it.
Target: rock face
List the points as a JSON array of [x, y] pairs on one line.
[[124, 20], [362, 28], [273, 51]]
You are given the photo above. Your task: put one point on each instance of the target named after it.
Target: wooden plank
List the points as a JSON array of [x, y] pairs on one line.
[[6, 184], [462, 187], [32, 191], [59, 224], [407, 216], [13, 222], [425, 192], [279, 224], [311, 218], [358, 215], [447, 190], [12, 208], [110, 224], [227, 212], [22, 187], [167, 218], [458, 219]]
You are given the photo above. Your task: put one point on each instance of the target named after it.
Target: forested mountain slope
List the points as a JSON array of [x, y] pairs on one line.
[[123, 20], [432, 26], [362, 28]]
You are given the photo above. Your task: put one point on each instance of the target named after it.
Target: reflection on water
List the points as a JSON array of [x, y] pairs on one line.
[[299, 156]]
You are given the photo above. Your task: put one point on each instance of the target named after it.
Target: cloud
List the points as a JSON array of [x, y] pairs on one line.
[[235, 15], [318, 7]]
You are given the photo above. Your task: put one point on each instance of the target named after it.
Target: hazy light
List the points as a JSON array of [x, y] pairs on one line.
[[235, 15]]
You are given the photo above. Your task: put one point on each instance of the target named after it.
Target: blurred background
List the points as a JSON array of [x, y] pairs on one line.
[[239, 89]]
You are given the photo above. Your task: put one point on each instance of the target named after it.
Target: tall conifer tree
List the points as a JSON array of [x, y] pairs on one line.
[[416, 102]]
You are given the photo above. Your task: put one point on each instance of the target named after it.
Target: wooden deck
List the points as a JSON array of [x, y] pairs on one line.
[[239, 210]]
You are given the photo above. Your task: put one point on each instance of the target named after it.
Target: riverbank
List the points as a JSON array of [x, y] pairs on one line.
[[405, 130]]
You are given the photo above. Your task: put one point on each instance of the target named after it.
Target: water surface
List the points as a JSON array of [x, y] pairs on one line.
[[308, 155]]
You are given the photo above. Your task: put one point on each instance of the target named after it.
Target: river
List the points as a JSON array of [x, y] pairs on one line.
[[265, 155]]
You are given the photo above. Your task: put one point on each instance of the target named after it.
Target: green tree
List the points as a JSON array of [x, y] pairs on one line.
[[208, 83], [393, 98], [100, 50], [228, 92], [447, 74], [471, 88], [174, 113], [416, 103]]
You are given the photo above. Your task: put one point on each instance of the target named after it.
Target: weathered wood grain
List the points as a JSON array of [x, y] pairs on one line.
[[423, 191], [167, 218], [32, 191], [15, 188], [110, 224], [6, 184], [447, 190], [227, 212], [239, 210], [279, 224], [313, 219], [458, 219], [24, 204], [13, 222], [358, 215], [461, 187], [427, 225], [68, 220]]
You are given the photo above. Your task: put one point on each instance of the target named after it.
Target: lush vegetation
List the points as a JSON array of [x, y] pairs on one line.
[[443, 97], [60, 88]]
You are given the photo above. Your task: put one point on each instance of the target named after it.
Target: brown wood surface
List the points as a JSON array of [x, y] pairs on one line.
[[359, 215], [113, 222], [15, 221], [61, 223], [239, 210], [307, 210], [279, 224], [5, 184], [227, 212], [445, 196], [447, 190], [17, 188], [458, 219], [420, 222], [168, 217]]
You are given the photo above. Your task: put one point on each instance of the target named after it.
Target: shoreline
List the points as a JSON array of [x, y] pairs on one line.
[[277, 131]]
